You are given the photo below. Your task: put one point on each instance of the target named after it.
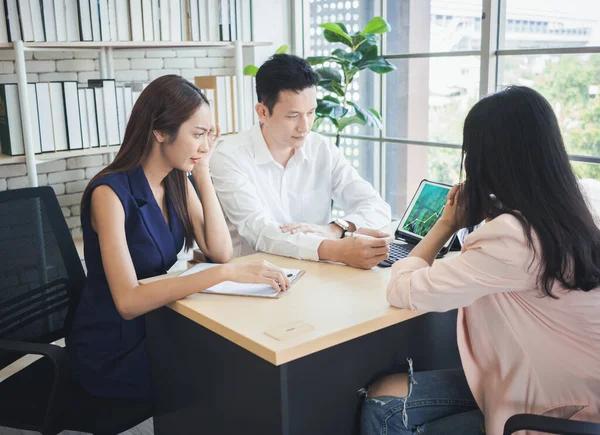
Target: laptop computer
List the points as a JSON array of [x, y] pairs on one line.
[[422, 213]]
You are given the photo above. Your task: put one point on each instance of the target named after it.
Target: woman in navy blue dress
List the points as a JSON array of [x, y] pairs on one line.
[[136, 216]]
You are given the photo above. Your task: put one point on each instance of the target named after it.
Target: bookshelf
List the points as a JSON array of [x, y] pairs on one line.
[[105, 50]]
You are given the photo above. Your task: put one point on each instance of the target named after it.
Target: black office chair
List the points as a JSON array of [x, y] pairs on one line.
[[41, 279], [545, 424]]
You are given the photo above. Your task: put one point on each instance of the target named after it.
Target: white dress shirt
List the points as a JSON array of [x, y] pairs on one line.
[[258, 194]]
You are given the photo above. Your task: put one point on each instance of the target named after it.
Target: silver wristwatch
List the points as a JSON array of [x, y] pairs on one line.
[[345, 226]]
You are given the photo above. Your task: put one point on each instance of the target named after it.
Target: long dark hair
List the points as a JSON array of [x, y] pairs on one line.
[[163, 105], [515, 162]]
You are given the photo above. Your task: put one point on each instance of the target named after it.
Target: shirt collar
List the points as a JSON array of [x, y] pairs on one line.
[[262, 155]]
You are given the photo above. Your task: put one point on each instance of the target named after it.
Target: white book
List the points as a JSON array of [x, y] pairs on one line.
[[38, 20], [12, 120], [85, 21], [3, 28], [72, 18], [83, 116], [90, 101], [175, 15], [165, 20], [26, 20], [111, 117], [71, 96], [45, 117], [246, 19], [194, 20], [137, 23], [156, 20], [121, 112], [210, 96], [100, 115], [213, 16], [34, 120], [203, 19], [95, 18], [60, 16], [148, 20], [128, 104], [233, 19], [49, 20], [123, 21], [224, 23], [12, 14], [59, 123], [222, 105], [229, 104], [112, 20], [104, 20], [248, 101]]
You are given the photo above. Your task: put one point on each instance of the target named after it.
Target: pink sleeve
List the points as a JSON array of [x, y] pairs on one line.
[[495, 259]]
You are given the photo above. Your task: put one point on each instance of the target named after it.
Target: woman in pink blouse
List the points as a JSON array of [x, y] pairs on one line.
[[526, 285]]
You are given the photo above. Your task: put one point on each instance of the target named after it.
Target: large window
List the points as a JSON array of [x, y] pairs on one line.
[[443, 69]]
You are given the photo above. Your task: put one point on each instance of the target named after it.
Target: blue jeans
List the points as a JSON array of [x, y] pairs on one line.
[[438, 402]]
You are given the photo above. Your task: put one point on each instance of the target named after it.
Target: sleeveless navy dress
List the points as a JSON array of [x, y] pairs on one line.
[[108, 353]]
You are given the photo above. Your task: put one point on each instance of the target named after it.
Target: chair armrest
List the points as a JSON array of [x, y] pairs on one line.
[[60, 361], [552, 425]]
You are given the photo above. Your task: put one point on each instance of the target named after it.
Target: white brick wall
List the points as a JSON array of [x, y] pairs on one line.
[[69, 177]]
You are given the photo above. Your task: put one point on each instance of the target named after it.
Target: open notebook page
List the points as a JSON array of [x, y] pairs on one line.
[[239, 289]]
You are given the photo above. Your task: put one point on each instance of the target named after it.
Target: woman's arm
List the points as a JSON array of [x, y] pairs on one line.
[[133, 299]]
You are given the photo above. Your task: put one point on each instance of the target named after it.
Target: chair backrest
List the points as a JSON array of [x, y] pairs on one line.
[[545, 424], [41, 276]]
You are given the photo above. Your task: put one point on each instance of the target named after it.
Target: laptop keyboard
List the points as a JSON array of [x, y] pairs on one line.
[[396, 253]]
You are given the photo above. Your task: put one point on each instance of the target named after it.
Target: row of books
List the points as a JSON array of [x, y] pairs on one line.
[[125, 20], [64, 116]]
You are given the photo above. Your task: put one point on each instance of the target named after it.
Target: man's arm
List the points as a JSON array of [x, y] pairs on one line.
[[252, 218]]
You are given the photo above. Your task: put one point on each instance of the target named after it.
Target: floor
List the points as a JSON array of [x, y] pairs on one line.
[[145, 428]]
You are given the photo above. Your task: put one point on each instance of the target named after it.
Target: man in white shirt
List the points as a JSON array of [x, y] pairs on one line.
[[276, 181]]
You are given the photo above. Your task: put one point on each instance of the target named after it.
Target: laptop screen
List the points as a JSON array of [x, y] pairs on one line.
[[424, 210]]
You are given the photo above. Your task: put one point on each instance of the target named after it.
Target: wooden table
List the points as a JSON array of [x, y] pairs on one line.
[[216, 371]]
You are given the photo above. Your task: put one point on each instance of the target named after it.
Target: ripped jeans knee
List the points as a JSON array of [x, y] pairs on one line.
[[435, 401], [391, 402]]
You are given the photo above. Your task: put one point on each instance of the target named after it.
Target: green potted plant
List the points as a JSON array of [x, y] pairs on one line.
[[361, 52]]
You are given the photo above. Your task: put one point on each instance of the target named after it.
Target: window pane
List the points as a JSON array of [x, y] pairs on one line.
[[361, 155], [355, 15], [550, 23], [585, 171], [407, 165], [433, 25], [428, 99], [572, 85]]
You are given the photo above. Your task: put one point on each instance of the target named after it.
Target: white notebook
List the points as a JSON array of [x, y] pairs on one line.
[[239, 289]]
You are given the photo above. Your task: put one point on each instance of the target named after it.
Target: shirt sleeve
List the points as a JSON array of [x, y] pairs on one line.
[[361, 202], [495, 259], [252, 218]]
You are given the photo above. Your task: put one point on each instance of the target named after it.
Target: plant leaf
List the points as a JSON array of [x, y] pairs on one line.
[[377, 25], [318, 60], [380, 66], [250, 70], [369, 117], [331, 98], [327, 73], [330, 109], [317, 123], [344, 122], [338, 29], [332, 86], [283, 49], [369, 53], [376, 113], [335, 38]]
